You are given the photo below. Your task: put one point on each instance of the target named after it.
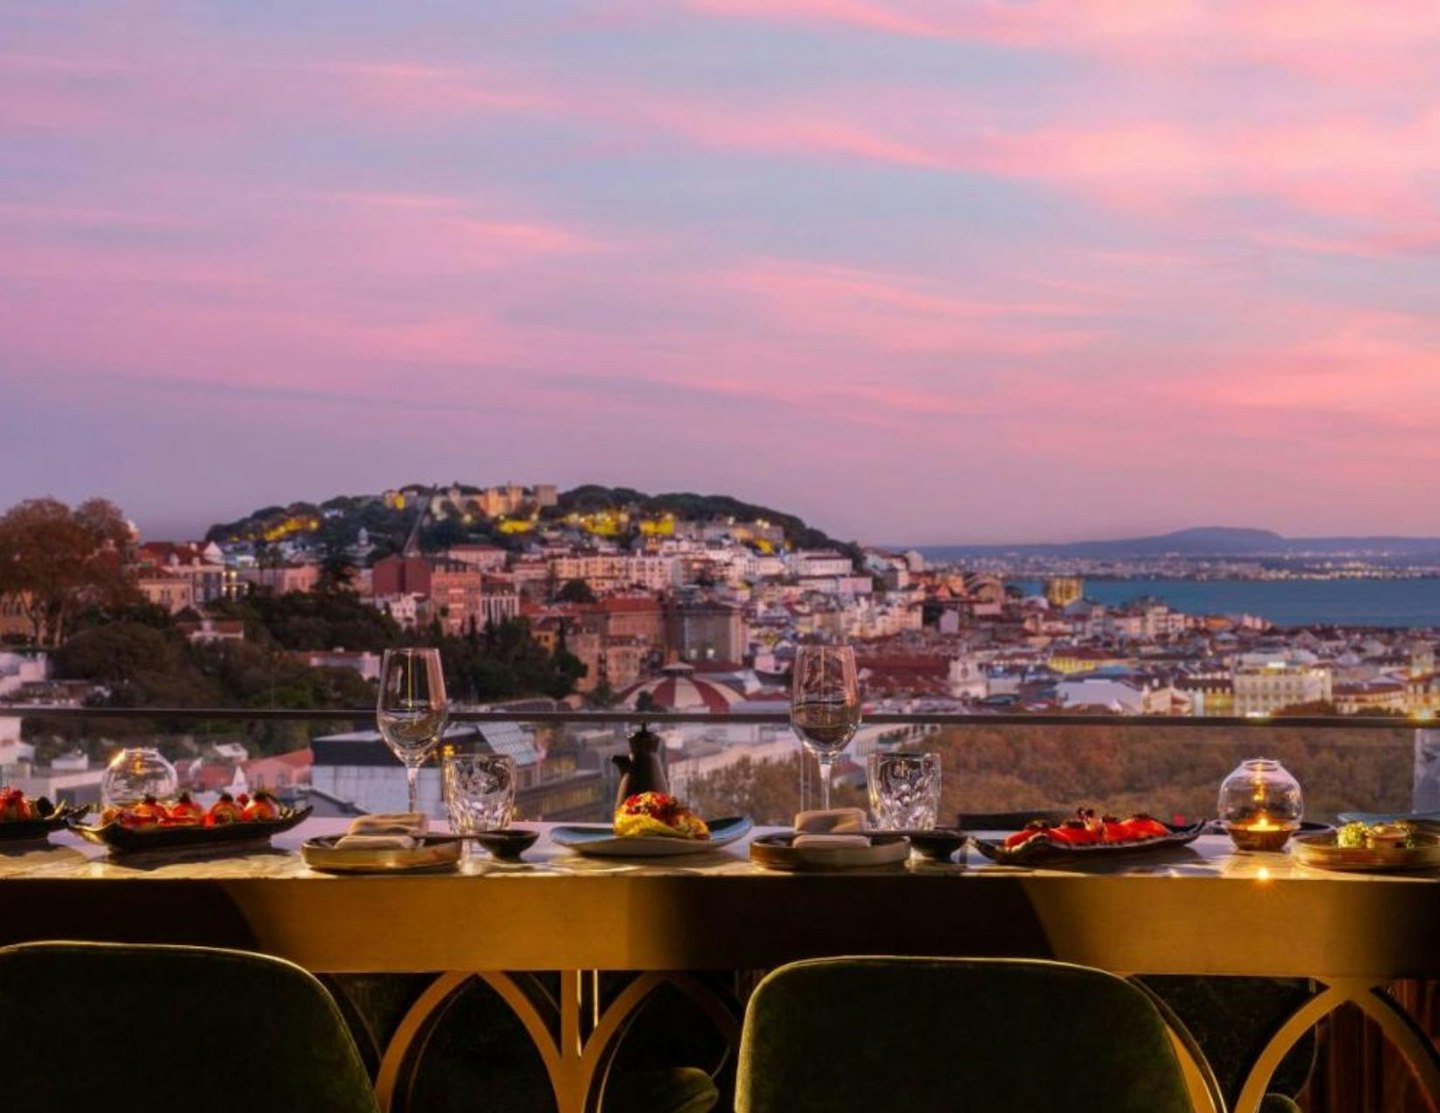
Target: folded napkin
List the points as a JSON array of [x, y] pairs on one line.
[[835, 821], [376, 842], [386, 831], [803, 841]]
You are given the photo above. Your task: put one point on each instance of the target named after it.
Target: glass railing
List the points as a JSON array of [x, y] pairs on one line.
[[746, 763]]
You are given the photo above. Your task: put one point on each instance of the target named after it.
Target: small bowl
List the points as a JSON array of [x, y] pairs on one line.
[[937, 844], [509, 844]]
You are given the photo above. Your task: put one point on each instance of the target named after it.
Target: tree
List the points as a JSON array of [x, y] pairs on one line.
[[575, 591], [58, 561]]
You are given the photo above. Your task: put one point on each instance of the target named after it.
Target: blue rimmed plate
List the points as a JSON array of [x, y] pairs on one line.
[[602, 842]]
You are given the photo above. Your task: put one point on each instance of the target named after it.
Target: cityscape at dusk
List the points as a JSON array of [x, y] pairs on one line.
[[919, 272]]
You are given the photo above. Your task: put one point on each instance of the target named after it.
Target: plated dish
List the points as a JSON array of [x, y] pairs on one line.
[[778, 852], [1323, 852], [38, 826], [1040, 851], [430, 855], [126, 840], [602, 842]]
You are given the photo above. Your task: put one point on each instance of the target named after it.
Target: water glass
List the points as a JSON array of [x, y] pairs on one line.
[[479, 791], [904, 791]]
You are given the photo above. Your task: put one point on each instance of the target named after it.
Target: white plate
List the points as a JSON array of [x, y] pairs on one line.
[[602, 842], [776, 852]]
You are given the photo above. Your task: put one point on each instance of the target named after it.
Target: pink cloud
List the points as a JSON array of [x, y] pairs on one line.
[[844, 305]]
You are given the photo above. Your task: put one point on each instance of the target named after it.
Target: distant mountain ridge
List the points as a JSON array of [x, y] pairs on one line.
[[1204, 541]]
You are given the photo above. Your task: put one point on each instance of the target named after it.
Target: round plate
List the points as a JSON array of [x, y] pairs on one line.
[[1321, 851], [602, 842], [323, 854], [776, 852]]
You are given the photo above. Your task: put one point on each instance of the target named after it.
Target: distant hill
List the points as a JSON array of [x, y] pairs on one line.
[[1204, 541], [334, 523]]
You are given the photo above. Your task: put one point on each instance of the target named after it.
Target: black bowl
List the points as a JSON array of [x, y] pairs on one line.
[[937, 844], [509, 844]]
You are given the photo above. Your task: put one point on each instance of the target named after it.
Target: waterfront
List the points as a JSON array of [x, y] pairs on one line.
[[1394, 603]]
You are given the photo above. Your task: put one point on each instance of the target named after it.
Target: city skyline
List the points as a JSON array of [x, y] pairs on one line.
[[919, 273]]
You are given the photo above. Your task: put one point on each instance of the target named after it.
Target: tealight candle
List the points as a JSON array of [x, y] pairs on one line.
[[1260, 805]]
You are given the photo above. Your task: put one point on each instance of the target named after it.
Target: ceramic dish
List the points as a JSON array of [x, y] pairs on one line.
[[1041, 851], [31, 830], [437, 854], [509, 844], [1320, 851], [227, 836], [778, 852], [602, 842], [938, 844]]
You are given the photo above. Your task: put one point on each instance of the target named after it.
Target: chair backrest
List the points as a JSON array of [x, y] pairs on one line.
[[110, 1026], [958, 1035]]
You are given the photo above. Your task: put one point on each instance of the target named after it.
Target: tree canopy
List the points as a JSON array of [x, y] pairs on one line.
[[57, 561]]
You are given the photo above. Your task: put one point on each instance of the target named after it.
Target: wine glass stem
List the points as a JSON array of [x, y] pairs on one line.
[[412, 782], [825, 761]]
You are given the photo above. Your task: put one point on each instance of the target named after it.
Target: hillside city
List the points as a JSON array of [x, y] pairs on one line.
[[597, 599]]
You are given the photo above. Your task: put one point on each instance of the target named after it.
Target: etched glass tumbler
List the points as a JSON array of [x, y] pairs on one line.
[[904, 791], [479, 791]]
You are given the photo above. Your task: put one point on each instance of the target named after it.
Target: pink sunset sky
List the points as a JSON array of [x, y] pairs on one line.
[[919, 272]]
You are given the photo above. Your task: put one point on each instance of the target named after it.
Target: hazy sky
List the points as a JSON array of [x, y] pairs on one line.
[[959, 270]]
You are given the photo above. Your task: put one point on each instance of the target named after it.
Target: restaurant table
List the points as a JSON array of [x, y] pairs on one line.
[[1204, 909]]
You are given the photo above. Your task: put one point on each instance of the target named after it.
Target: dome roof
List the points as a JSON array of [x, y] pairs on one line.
[[678, 690]]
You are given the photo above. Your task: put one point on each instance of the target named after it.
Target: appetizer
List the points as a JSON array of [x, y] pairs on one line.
[[185, 812], [1377, 836], [16, 807], [656, 813], [1090, 829]]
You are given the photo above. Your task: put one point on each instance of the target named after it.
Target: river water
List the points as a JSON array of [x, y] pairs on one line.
[[1394, 603]]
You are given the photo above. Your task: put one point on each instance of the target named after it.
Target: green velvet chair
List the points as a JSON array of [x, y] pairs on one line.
[[120, 1026], [953, 1035]]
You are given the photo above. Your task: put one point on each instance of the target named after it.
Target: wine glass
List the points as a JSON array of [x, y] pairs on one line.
[[412, 709], [825, 704]]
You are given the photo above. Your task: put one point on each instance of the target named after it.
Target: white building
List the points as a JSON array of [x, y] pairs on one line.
[[1265, 683]]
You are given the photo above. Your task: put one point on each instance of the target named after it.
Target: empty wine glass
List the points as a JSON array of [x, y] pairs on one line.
[[412, 710], [825, 704]]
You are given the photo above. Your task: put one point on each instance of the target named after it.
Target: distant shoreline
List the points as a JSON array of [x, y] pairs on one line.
[[1357, 603]]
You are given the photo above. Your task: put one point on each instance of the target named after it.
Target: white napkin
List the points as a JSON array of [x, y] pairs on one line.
[[832, 828], [835, 821], [388, 831], [830, 840]]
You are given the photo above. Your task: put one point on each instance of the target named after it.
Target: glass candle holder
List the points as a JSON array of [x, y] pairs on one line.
[[1261, 804], [135, 773]]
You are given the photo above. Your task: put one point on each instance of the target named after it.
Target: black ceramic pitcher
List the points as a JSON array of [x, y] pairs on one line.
[[643, 768]]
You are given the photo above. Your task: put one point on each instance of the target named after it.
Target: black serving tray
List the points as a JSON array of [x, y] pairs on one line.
[[31, 830], [1041, 851], [227, 836]]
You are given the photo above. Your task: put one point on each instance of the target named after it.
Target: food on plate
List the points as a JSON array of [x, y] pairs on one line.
[[185, 812], [1090, 829], [16, 807], [1376, 836], [225, 810], [657, 813]]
